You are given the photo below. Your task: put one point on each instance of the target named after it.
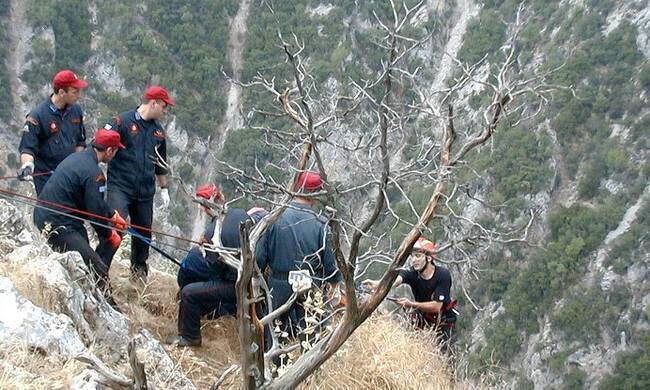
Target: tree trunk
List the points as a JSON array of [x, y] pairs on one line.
[[251, 332]]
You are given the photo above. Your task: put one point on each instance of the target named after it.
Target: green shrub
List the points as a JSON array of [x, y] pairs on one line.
[[593, 174], [519, 162], [632, 370], [644, 76], [574, 379], [579, 318], [483, 36], [503, 341]]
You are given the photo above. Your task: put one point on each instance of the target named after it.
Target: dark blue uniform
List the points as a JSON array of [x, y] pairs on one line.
[[77, 183], [132, 179], [51, 136], [207, 285], [197, 268], [297, 240]]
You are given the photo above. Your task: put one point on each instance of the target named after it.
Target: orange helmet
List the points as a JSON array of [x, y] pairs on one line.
[[425, 246]]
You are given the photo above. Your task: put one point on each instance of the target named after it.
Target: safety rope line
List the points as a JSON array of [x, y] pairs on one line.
[[86, 220], [32, 175], [147, 241], [93, 215]]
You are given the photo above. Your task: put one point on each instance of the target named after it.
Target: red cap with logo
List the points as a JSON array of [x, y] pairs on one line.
[[158, 93], [210, 192], [67, 78], [105, 138], [309, 182]]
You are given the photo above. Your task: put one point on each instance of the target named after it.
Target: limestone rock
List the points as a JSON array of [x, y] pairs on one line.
[[160, 369], [87, 380], [22, 322], [11, 219]]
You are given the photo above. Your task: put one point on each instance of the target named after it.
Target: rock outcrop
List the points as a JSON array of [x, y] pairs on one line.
[[51, 306]]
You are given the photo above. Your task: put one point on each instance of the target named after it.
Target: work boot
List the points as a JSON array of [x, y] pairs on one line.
[[139, 273], [181, 341]]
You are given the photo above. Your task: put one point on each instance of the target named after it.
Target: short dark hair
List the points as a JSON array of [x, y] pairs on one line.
[[56, 89]]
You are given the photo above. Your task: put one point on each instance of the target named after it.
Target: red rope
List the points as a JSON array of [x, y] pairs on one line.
[[33, 175], [93, 215]]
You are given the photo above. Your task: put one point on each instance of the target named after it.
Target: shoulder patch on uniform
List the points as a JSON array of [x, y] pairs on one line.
[[32, 120], [75, 121], [158, 134], [118, 120], [54, 127]]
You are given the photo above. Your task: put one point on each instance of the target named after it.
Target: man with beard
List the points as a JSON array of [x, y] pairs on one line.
[[431, 285]]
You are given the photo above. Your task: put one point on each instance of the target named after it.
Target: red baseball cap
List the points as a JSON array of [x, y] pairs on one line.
[[105, 138], [67, 78], [158, 93], [209, 192], [309, 181]]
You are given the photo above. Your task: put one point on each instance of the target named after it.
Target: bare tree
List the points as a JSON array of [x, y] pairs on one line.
[[360, 212]]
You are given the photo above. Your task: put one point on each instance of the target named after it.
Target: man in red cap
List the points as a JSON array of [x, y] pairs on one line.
[[53, 130], [431, 285], [78, 183], [133, 173], [297, 241], [207, 284]]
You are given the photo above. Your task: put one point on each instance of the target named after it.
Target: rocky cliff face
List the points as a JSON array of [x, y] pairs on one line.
[[51, 308], [585, 175]]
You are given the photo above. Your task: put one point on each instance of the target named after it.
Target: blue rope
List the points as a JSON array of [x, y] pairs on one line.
[[147, 241]]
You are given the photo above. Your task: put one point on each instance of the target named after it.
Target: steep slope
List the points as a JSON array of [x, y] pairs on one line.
[[561, 312]]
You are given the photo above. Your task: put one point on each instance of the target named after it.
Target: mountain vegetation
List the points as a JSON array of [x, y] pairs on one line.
[[557, 305]]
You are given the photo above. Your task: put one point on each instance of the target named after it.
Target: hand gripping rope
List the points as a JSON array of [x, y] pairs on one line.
[[58, 209]]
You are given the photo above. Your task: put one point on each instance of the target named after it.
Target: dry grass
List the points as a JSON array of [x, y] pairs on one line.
[[154, 306], [31, 285], [21, 368], [381, 354]]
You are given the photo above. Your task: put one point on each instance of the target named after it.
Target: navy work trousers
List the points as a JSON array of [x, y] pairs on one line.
[[140, 213], [216, 297], [195, 268], [293, 320], [39, 183], [76, 240]]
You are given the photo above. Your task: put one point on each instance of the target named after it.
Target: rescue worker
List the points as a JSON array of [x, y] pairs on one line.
[[431, 286], [133, 173], [207, 284], [79, 184], [298, 240], [53, 130]]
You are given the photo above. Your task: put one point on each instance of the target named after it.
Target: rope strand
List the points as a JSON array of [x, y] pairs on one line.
[[30, 202], [93, 215]]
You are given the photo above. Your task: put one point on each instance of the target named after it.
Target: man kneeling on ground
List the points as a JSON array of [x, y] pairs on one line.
[[207, 285]]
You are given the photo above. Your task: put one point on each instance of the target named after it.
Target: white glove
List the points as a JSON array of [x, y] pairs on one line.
[[164, 197], [26, 171]]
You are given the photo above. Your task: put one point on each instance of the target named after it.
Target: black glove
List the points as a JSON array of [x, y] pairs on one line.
[[25, 173]]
